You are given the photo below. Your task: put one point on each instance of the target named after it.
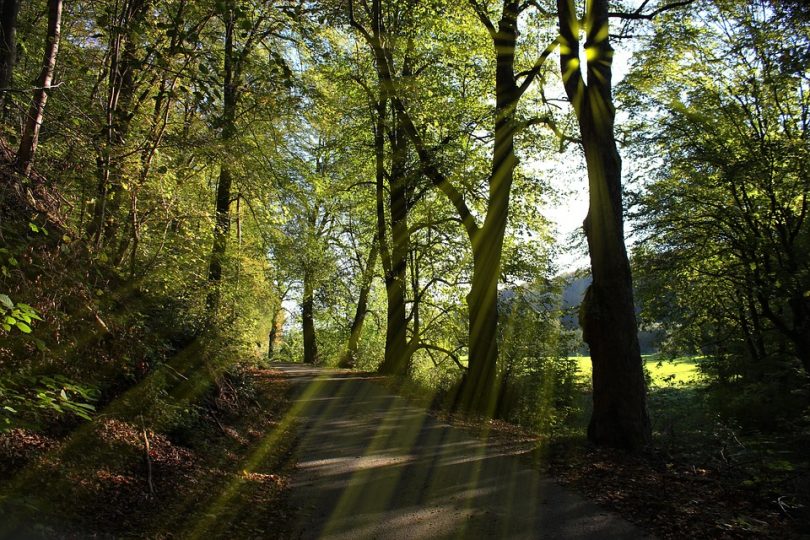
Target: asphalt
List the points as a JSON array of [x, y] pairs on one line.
[[371, 465]]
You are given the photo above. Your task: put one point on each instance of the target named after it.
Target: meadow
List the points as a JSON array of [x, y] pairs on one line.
[[662, 371]]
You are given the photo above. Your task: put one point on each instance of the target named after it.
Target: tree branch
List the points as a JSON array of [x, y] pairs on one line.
[[638, 14], [484, 17], [550, 123], [532, 73], [453, 356], [433, 173]]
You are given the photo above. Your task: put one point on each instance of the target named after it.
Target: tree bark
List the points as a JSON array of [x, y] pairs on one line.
[[9, 9], [308, 321], [396, 340], [607, 314], [276, 331], [350, 358], [223, 200], [30, 136]]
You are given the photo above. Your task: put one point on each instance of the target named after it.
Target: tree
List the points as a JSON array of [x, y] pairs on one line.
[[727, 210], [33, 123], [128, 88], [246, 28], [356, 329], [486, 239], [607, 314], [9, 9]]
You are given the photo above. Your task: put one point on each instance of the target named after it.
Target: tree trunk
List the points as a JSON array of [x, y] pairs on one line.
[[308, 321], [9, 9], [223, 200], [30, 136], [119, 112], [396, 340], [276, 332], [479, 388], [800, 309], [607, 314], [350, 358]]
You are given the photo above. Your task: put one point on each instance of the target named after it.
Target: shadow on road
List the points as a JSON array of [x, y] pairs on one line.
[[372, 465]]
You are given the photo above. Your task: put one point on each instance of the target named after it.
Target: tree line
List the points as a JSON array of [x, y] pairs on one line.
[[375, 163]]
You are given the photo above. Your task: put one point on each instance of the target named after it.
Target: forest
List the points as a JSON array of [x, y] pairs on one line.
[[404, 269]]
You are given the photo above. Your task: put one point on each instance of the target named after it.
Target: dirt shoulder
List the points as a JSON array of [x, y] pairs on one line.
[[207, 483]]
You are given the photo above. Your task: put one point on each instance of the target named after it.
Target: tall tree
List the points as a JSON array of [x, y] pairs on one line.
[[245, 27], [230, 90], [729, 209], [486, 239], [33, 123], [126, 24], [386, 125], [9, 9], [607, 314]]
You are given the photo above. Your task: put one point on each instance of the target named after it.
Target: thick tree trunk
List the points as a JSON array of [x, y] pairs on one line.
[[222, 226], [276, 332], [479, 387], [30, 136], [800, 308], [350, 358], [396, 340], [607, 314], [308, 321], [9, 9]]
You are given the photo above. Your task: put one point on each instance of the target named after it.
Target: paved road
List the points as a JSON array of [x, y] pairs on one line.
[[371, 465]]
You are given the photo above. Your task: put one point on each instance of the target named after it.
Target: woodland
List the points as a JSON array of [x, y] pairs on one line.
[[196, 192]]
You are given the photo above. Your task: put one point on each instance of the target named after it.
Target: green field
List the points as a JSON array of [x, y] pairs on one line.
[[663, 371]]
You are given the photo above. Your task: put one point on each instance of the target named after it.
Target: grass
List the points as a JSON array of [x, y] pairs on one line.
[[664, 372]]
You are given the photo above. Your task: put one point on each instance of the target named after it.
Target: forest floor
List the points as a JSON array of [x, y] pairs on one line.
[[207, 480]]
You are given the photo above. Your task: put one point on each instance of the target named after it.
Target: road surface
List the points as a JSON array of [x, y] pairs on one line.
[[372, 465]]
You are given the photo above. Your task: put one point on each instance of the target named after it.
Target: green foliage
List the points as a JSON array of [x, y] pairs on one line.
[[31, 400], [537, 377], [19, 316], [724, 266]]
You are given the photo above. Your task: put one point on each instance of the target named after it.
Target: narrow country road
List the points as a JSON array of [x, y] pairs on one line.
[[372, 465]]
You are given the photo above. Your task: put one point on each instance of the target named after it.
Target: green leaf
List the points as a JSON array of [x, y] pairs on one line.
[[6, 301], [33, 227], [24, 328], [63, 394]]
